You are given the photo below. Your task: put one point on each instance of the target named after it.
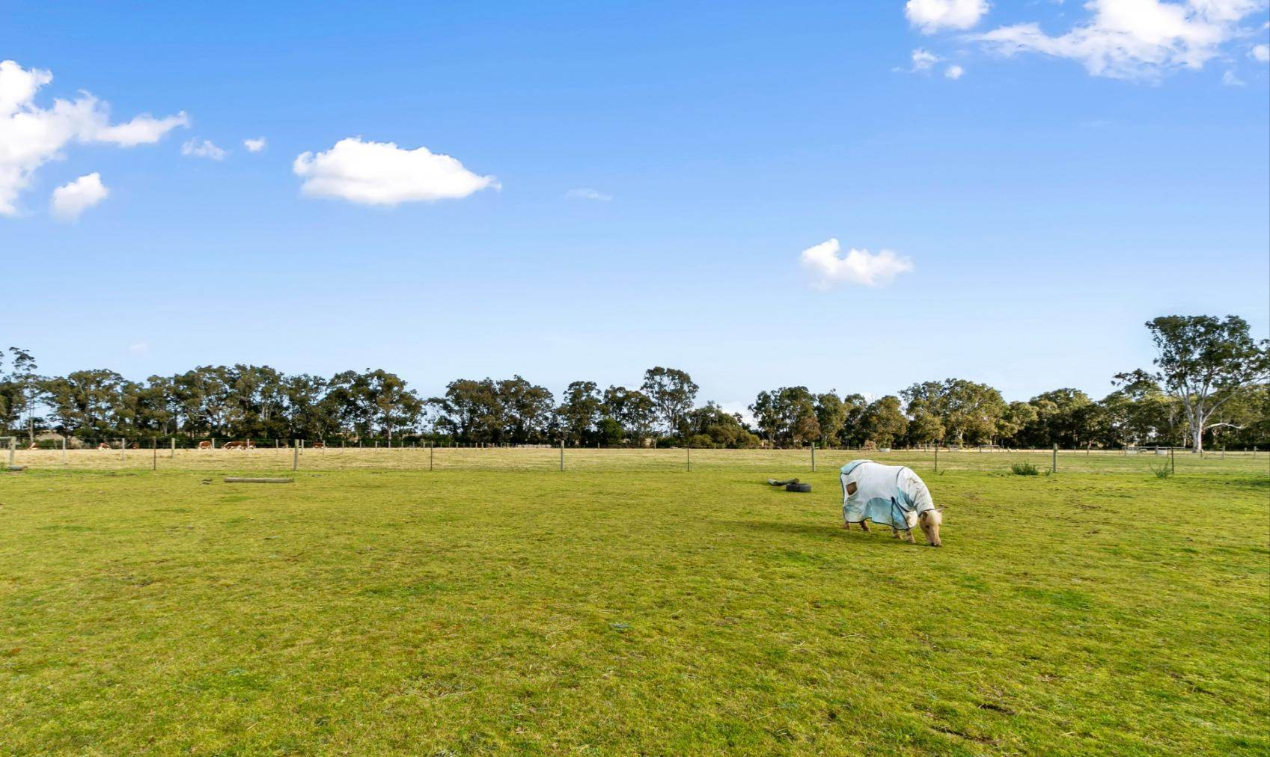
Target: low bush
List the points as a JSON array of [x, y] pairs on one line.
[[1024, 469]]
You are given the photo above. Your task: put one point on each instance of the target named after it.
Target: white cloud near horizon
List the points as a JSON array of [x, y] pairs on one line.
[[587, 193], [203, 149], [381, 173], [31, 135], [827, 268], [70, 200], [257, 144], [929, 16], [1134, 39]]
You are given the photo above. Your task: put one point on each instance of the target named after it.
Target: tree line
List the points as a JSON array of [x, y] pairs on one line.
[[1208, 386]]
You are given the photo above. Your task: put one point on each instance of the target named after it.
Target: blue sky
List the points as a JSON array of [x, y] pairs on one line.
[[1081, 176]]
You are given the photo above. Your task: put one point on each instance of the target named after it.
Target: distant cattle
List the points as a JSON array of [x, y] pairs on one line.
[[34, 446], [134, 445], [103, 445], [317, 445], [238, 445], [204, 445]]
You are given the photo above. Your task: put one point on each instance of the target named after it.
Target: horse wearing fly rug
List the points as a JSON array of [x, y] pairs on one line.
[[889, 495]]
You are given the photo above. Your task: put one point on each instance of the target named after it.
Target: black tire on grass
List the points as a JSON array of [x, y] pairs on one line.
[[804, 488]]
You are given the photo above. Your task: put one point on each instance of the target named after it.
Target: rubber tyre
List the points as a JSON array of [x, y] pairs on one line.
[[803, 488]]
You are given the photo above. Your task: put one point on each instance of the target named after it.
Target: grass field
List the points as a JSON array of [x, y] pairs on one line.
[[628, 607]]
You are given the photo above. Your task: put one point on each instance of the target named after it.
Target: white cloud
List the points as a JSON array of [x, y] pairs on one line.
[[381, 173], [74, 198], [204, 149], [827, 268], [923, 59], [1260, 53], [1133, 39], [1231, 79], [255, 145], [587, 193], [932, 15], [954, 72], [31, 136]]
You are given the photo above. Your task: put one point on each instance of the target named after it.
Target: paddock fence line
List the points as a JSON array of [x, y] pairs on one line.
[[173, 454]]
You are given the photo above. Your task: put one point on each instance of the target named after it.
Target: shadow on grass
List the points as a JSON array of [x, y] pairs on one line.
[[879, 537]]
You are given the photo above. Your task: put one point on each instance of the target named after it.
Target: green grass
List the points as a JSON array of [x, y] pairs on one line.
[[624, 612]]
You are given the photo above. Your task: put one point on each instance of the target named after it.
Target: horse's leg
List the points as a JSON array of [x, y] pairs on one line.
[[895, 532], [846, 524], [908, 536], [864, 526]]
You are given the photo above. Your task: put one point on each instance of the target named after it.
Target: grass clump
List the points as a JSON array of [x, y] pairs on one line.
[[1162, 471], [1024, 469]]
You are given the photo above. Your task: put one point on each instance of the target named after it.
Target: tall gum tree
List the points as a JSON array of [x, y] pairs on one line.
[[1205, 361]]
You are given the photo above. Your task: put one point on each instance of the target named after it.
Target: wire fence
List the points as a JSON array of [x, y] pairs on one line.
[[169, 454]]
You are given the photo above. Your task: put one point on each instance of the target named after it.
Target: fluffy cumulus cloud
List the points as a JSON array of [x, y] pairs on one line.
[[381, 173], [257, 144], [932, 15], [828, 268], [1260, 53], [1134, 39], [74, 198], [31, 135], [587, 193], [203, 148], [954, 72]]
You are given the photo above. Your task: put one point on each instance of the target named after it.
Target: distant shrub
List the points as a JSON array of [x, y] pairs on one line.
[[700, 441], [870, 446], [1164, 471], [1024, 469]]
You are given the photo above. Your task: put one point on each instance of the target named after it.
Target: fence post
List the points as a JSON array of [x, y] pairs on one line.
[[173, 454], [13, 444], [123, 446], [562, 454], [813, 457], [63, 449], [1172, 464], [295, 456], [1054, 466], [689, 447], [154, 448], [432, 450], [936, 457]]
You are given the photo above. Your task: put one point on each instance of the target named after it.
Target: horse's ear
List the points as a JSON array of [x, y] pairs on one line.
[[939, 509]]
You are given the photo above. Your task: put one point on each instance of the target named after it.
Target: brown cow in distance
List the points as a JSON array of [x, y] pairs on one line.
[[103, 445], [204, 445], [238, 445], [317, 445]]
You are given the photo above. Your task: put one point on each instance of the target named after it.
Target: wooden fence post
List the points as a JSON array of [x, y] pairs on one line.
[[123, 445], [295, 456], [173, 454], [561, 454], [1054, 466], [936, 457], [63, 449], [813, 457]]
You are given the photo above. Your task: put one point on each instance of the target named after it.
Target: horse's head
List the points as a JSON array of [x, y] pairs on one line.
[[930, 521]]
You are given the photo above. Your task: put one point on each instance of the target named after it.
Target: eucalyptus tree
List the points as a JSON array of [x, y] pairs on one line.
[[672, 393], [1204, 362], [579, 410], [632, 410]]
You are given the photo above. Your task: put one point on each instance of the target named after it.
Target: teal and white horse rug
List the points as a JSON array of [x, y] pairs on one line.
[[889, 495]]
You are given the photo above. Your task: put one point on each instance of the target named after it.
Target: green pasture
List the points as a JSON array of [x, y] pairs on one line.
[[637, 610]]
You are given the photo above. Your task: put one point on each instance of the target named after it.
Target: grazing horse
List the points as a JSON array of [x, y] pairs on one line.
[[204, 445], [238, 445], [103, 445], [890, 495]]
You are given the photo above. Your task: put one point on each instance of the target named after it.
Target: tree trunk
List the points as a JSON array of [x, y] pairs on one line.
[[1197, 432]]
